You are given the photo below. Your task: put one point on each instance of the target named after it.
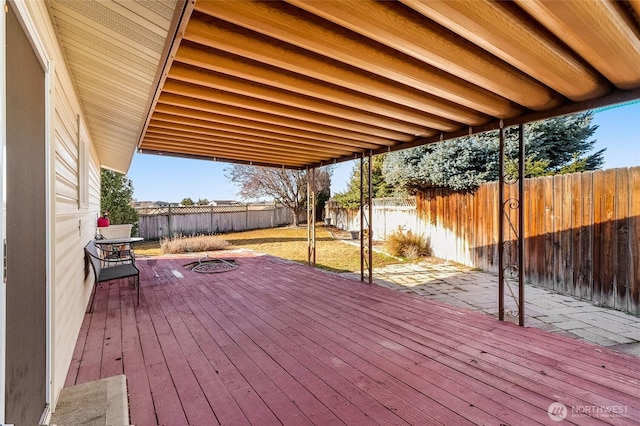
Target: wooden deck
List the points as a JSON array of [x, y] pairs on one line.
[[279, 343]]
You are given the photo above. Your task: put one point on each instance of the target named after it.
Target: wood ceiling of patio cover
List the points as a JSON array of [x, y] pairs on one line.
[[307, 83]]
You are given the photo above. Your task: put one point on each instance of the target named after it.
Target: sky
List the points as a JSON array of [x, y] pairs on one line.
[[162, 178]]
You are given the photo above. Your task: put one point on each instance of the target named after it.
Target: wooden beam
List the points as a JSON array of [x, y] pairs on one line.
[[220, 35], [239, 138], [197, 156], [189, 117], [217, 108], [289, 24], [315, 117], [400, 119], [222, 62], [503, 29], [424, 40], [598, 31], [247, 155]]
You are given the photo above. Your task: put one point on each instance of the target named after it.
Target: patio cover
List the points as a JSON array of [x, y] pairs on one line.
[[302, 84]]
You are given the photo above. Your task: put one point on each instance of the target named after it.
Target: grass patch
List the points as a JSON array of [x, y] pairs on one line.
[[291, 243]]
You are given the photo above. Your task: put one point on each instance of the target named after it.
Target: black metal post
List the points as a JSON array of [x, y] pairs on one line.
[[501, 221], [370, 221], [313, 216], [521, 176], [361, 218]]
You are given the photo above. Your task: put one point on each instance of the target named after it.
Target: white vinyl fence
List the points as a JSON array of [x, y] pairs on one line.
[[389, 214], [163, 222]]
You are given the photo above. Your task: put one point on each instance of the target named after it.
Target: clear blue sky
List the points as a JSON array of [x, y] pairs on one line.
[[161, 178]]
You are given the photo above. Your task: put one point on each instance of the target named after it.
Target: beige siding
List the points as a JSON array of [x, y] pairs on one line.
[[72, 226]]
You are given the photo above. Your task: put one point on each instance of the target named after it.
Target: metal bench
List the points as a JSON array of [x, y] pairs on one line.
[[106, 269]]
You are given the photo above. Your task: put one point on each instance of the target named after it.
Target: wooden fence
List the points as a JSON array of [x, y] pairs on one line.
[[157, 223], [582, 232]]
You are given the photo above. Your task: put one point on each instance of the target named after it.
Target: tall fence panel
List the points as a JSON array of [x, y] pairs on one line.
[[582, 231], [157, 223]]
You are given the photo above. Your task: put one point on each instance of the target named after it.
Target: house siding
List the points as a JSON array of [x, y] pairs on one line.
[[73, 228]]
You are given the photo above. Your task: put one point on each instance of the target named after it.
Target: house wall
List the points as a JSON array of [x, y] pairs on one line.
[[71, 225]]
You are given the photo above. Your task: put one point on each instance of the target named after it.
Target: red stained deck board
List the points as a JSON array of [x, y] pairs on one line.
[[89, 367], [393, 393], [381, 350], [206, 330], [167, 404], [258, 349], [546, 350], [275, 342], [334, 393], [449, 358], [112, 364], [259, 370], [239, 374], [211, 375], [438, 351], [605, 389], [77, 355], [569, 382], [436, 374], [221, 401], [431, 382], [282, 351], [195, 404]]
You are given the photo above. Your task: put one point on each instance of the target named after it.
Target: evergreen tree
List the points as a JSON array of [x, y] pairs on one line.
[[323, 189], [554, 146], [116, 197], [381, 188]]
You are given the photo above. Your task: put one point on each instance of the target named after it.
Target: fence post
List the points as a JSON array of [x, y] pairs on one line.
[[169, 223], [211, 221]]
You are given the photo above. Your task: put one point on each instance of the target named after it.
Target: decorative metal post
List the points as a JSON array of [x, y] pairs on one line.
[[501, 184], [370, 221], [521, 225], [511, 231], [366, 234], [311, 218]]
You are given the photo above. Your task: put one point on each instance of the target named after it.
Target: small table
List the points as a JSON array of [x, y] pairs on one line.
[[118, 248], [124, 240]]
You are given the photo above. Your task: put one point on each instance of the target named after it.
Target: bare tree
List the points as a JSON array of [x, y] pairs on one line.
[[287, 187]]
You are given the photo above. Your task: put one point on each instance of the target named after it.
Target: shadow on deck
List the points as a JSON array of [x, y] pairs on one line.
[[274, 342]]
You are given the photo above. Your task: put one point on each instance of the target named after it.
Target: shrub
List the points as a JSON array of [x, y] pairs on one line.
[[193, 244], [408, 245]]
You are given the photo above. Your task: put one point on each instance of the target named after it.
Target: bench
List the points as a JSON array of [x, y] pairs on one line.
[[105, 269]]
